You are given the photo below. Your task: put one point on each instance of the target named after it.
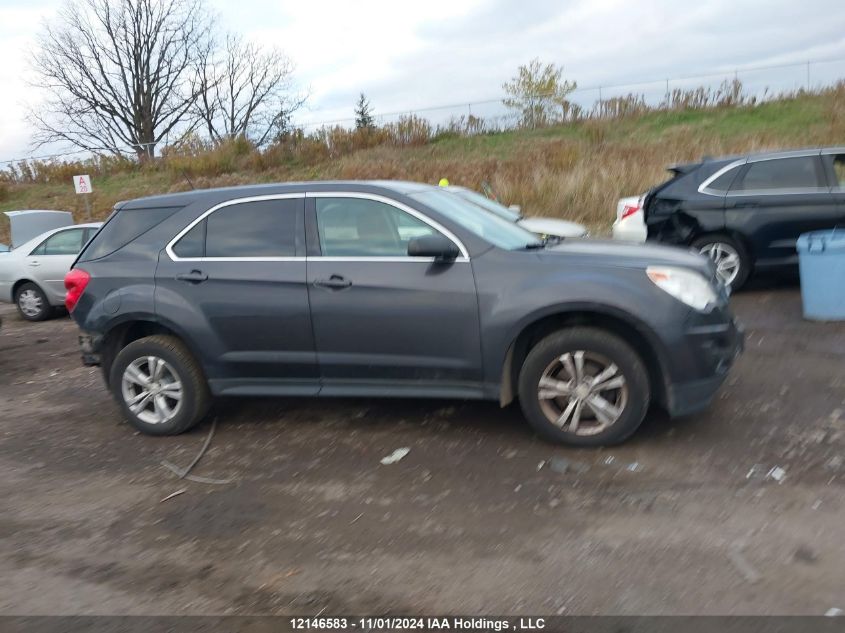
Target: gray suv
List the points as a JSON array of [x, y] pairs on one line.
[[391, 289]]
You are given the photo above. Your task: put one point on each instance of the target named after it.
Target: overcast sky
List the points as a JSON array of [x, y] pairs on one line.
[[409, 54]]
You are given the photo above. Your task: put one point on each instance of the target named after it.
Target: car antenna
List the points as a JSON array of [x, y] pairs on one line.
[[488, 191], [185, 174]]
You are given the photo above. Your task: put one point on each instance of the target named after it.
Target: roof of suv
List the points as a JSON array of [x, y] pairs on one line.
[[808, 151], [243, 191]]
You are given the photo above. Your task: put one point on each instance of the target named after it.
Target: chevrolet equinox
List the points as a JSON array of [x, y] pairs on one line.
[[391, 289]]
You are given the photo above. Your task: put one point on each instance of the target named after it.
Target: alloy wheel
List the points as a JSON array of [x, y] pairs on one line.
[[582, 392], [726, 258], [152, 390]]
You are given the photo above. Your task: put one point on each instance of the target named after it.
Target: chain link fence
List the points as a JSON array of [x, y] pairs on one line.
[[746, 85], [751, 84]]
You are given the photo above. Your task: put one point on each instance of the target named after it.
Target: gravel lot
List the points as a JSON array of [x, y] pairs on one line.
[[479, 517]]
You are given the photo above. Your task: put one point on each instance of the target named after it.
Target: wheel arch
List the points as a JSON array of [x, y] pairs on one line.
[[629, 329], [121, 333], [20, 282]]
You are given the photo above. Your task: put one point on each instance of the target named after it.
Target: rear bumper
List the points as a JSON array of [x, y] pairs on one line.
[[6, 292], [631, 229], [717, 348]]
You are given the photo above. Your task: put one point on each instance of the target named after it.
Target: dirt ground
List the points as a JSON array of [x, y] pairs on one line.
[[480, 517]]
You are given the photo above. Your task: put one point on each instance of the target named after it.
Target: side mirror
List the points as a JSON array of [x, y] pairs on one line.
[[437, 246], [4, 248]]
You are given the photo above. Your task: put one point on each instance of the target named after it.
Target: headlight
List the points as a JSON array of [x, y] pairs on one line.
[[685, 285]]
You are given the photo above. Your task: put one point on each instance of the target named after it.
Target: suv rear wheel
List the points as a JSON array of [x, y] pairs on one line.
[[159, 386], [585, 387], [732, 262]]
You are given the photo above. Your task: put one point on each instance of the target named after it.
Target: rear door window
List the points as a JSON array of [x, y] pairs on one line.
[[192, 243], [802, 172], [62, 243], [258, 229], [723, 183]]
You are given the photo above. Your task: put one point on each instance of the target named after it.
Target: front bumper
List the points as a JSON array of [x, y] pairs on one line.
[[716, 346]]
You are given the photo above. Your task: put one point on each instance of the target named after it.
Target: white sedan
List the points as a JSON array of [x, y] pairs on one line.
[[32, 273], [630, 225], [542, 226]]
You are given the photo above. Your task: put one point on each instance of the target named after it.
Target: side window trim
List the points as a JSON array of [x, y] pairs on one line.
[[276, 196], [705, 186], [464, 257]]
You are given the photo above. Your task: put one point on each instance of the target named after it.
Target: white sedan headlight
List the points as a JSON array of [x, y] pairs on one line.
[[685, 285]]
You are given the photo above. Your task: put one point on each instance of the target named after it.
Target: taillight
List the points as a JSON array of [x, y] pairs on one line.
[[629, 210], [75, 282]]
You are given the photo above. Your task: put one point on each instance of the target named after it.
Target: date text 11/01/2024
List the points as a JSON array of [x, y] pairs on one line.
[[416, 623]]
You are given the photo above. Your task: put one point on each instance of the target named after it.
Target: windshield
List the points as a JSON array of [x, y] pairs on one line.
[[486, 203], [488, 226]]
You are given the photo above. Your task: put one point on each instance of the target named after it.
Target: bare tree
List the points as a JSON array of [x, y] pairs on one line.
[[246, 91], [120, 73]]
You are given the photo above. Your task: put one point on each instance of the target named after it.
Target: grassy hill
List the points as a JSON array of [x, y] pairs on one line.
[[575, 171]]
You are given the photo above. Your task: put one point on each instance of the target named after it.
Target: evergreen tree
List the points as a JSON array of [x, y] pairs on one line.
[[363, 114]]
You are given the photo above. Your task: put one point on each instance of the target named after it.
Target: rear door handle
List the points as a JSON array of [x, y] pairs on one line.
[[335, 282], [34, 263], [193, 277]]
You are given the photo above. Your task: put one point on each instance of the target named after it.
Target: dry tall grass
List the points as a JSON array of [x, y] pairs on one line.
[[576, 171]]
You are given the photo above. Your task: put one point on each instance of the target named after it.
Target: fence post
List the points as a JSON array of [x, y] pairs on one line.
[[808, 75], [532, 112], [667, 93], [600, 100]]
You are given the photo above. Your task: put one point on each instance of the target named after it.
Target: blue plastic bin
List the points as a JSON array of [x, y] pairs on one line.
[[821, 258]]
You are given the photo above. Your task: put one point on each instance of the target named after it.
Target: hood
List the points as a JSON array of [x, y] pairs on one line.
[[628, 255], [552, 226], [25, 225]]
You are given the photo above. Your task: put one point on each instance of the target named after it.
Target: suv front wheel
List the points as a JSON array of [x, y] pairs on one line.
[[159, 386], [584, 386]]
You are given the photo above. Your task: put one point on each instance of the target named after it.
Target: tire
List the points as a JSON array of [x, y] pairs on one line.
[[32, 303], [713, 245], [599, 350], [161, 413]]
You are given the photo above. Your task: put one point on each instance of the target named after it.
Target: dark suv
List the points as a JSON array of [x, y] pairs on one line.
[[745, 212], [391, 289]]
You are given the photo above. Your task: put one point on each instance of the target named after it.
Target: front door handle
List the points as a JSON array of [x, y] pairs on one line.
[[335, 282], [193, 277], [746, 205]]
